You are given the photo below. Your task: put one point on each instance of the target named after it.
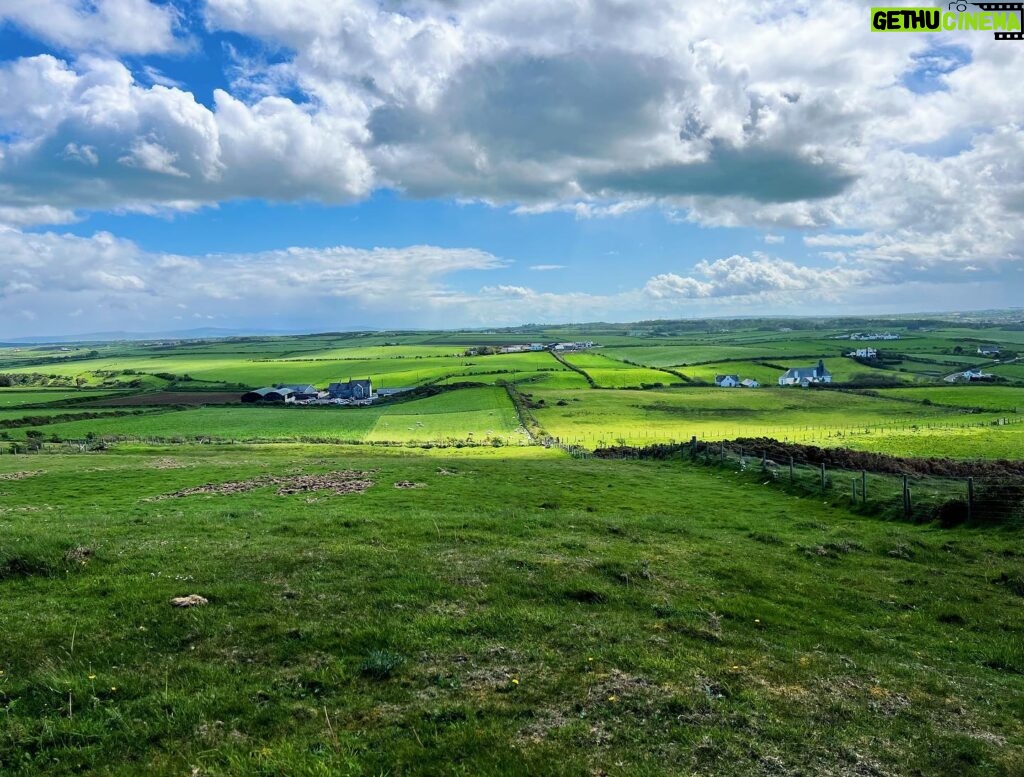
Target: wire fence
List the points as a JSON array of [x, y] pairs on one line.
[[993, 498]]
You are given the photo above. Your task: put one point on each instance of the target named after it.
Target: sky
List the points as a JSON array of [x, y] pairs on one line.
[[316, 165]]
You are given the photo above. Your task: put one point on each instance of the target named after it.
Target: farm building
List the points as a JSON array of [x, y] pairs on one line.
[[975, 374], [352, 389], [864, 353], [805, 376], [727, 381], [988, 350], [302, 391], [749, 383], [269, 394]]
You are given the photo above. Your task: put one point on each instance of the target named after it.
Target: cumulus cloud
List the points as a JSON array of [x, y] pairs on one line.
[[741, 276], [118, 284], [708, 111], [116, 26]]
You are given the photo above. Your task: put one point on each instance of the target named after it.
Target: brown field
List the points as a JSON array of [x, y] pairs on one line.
[[169, 398]]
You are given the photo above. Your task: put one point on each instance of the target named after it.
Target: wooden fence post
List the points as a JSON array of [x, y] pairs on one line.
[[863, 487], [791, 469], [853, 489], [906, 498]]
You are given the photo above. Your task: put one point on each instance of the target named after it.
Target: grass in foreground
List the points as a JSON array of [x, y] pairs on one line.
[[516, 613]]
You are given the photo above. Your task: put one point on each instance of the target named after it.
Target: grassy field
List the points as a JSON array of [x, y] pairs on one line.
[[517, 613], [714, 413], [14, 397], [609, 373], [476, 414]]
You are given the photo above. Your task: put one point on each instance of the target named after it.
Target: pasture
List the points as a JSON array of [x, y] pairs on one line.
[[516, 612]]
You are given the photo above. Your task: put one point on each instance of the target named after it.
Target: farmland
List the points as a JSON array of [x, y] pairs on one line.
[[516, 612], [422, 582]]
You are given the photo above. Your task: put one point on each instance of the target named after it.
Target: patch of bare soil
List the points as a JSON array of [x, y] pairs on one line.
[[78, 554], [167, 463], [19, 475], [340, 482], [159, 398], [408, 484]]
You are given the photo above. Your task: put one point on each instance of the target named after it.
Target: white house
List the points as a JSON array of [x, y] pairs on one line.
[[975, 374], [749, 383], [805, 376], [865, 353], [727, 381], [988, 350]]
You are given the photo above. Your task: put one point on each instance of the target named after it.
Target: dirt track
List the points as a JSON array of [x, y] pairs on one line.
[[159, 398]]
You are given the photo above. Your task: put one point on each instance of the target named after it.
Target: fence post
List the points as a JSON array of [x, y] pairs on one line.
[[791, 469], [822, 476], [863, 487], [722, 446], [970, 499], [853, 489], [906, 498]]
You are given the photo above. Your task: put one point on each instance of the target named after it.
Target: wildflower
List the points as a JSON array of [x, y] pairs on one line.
[[113, 687], [515, 681], [757, 620], [92, 677], [612, 698]]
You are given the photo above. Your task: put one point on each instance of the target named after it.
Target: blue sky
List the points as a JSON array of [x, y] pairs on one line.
[[290, 164]]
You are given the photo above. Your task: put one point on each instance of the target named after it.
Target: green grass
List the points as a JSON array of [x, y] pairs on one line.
[[470, 413], [13, 397], [976, 395], [519, 613], [609, 373], [641, 417]]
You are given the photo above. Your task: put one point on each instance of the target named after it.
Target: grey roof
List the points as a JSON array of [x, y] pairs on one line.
[[300, 388], [265, 392], [720, 378], [807, 373]]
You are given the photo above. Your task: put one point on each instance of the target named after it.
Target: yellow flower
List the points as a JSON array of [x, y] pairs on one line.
[[113, 687], [92, 677], [515, 681], [612, 698]]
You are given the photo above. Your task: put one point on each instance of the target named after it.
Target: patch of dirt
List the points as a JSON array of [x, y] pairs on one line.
[[446, 471], [169, 398], [192, 600], [340, 482], [167, 463], [408, 484], [19, 475], [79, 554]]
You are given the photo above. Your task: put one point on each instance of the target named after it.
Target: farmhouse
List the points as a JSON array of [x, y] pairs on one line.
[[727, 381], [988, 350], [975, 374], [353, 389], [749, 383], [269, 394], [805, 376], [864, 353]]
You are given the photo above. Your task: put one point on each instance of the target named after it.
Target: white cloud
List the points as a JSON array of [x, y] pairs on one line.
[[546, 267], [116, 26], [708, 111], [741, 276]]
